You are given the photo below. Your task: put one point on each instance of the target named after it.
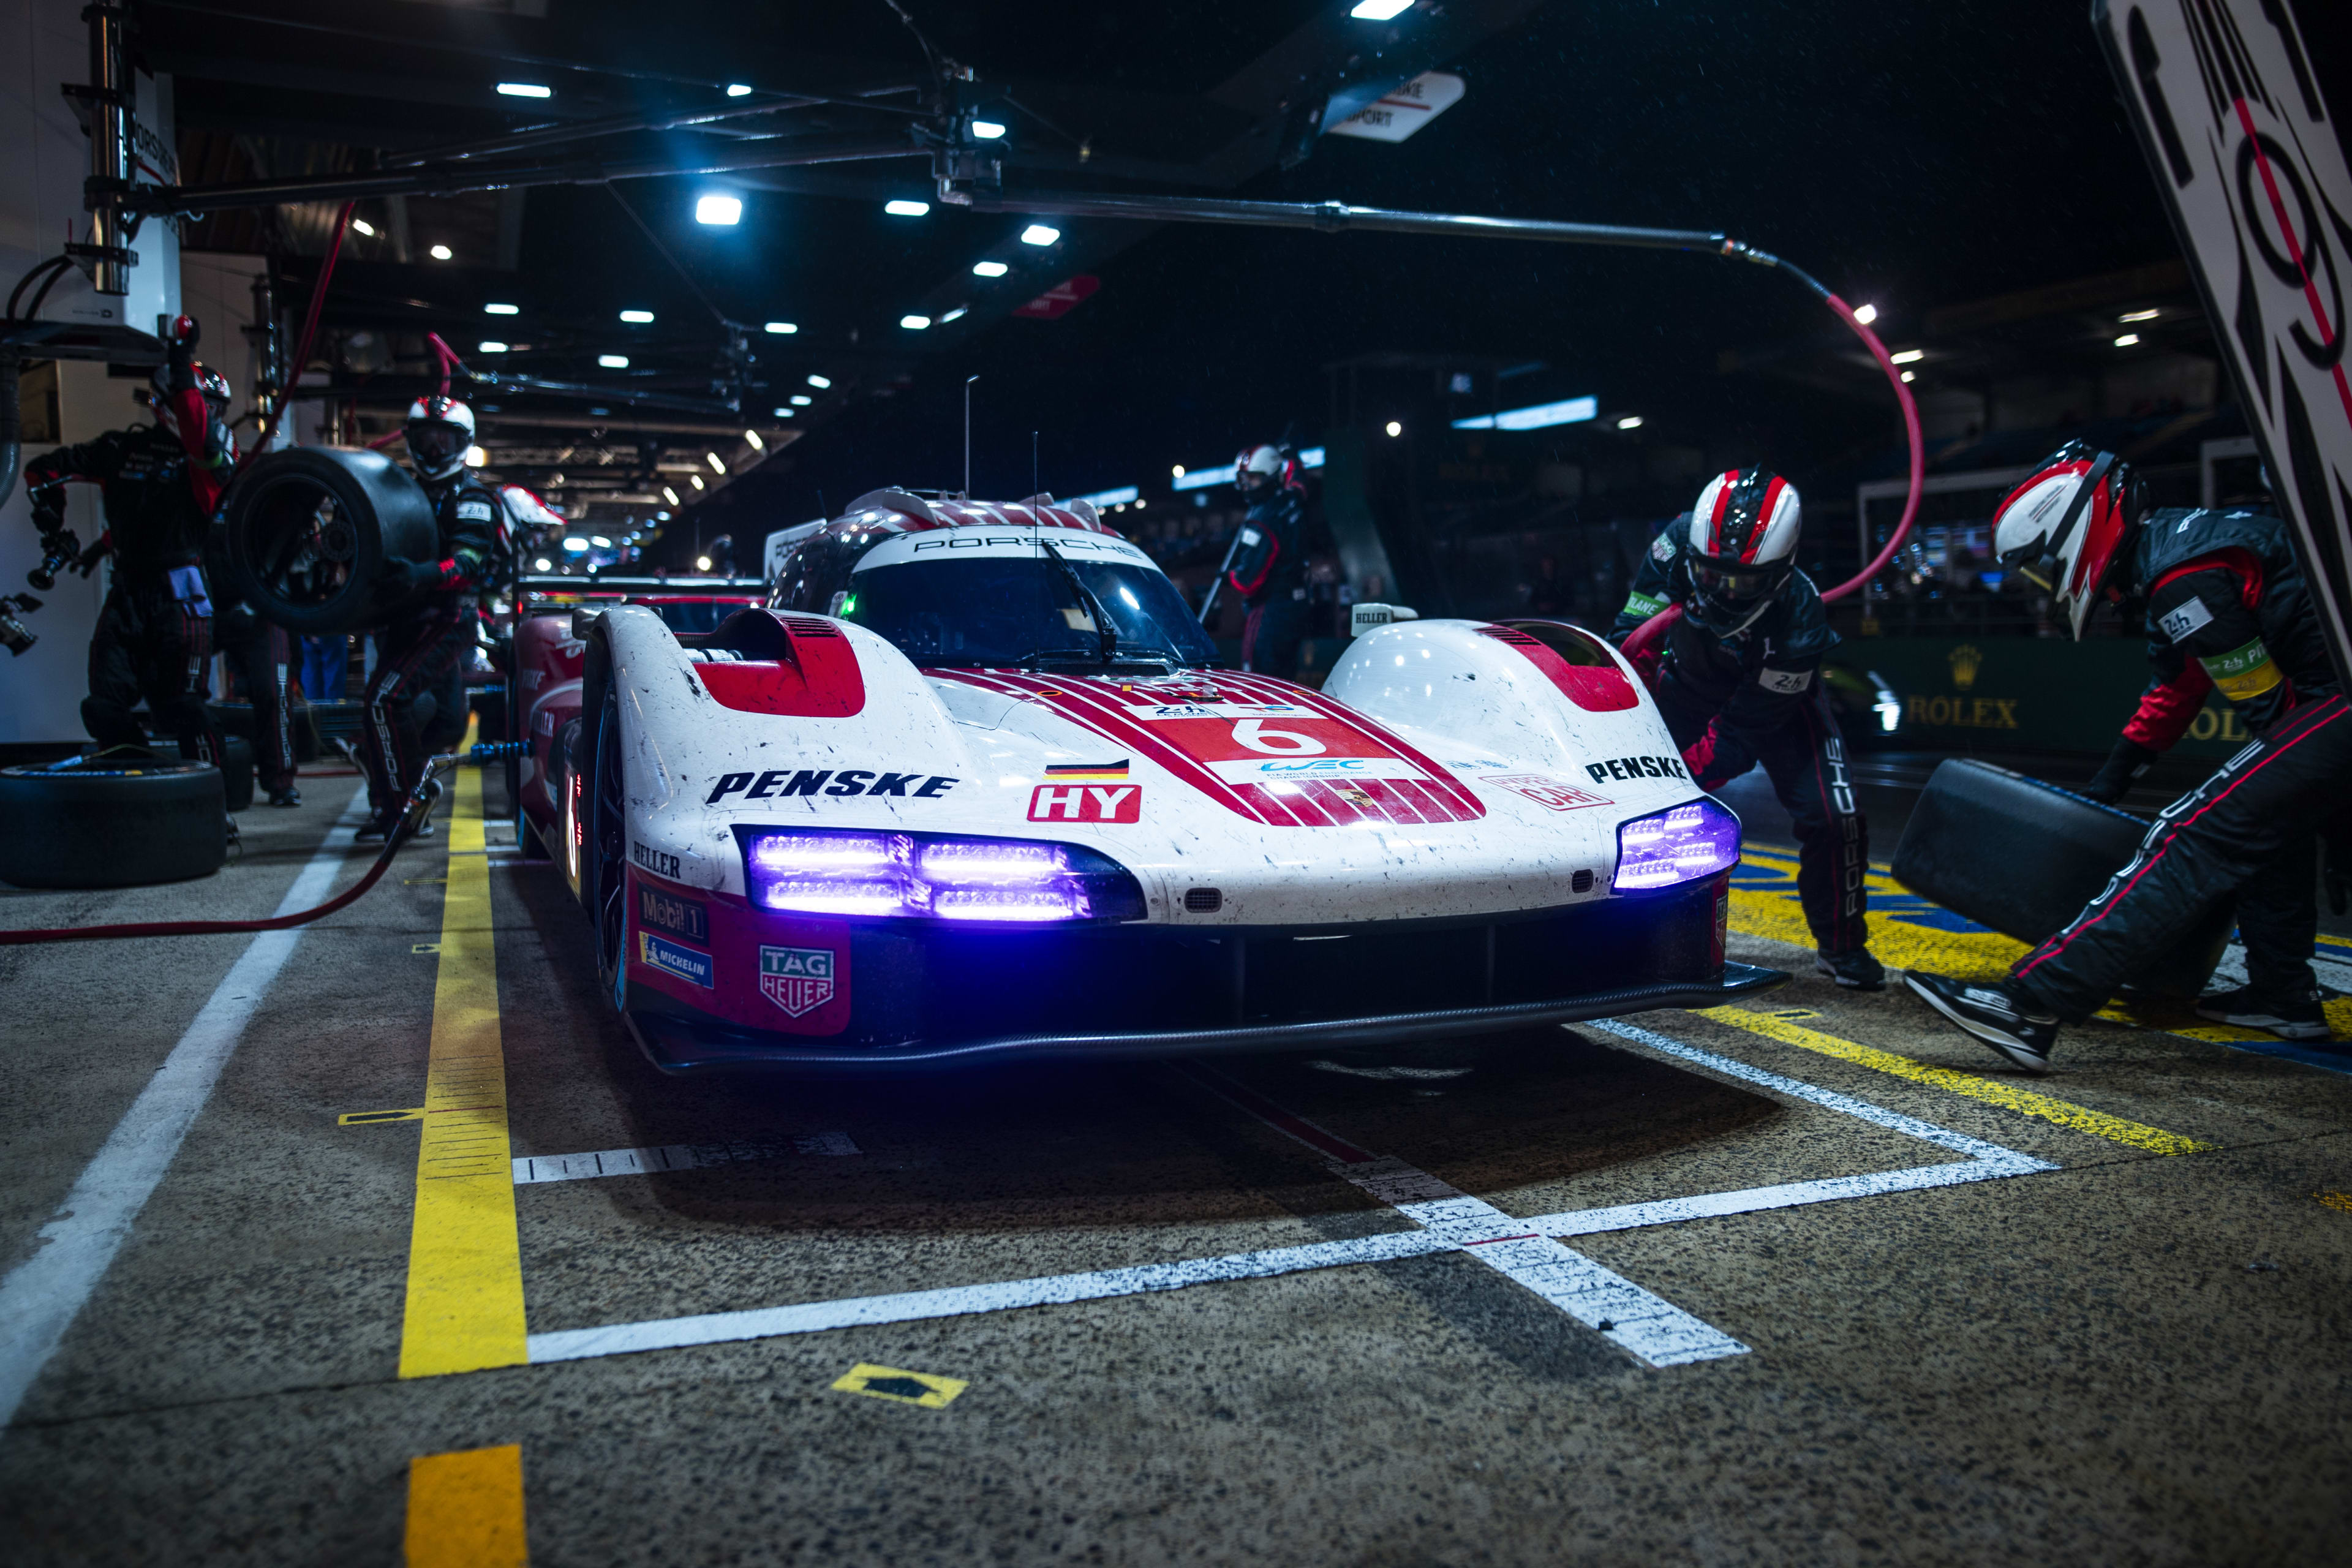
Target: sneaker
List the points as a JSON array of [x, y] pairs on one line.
[[2290, 1018], [290, 795], [376, 829], [1856, 971], [1999, 1014]]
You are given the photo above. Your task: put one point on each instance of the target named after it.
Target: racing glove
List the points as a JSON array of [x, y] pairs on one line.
[[2120, 772]]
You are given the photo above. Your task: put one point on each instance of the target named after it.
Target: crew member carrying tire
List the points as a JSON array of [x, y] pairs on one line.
[[1269, 566], [1739, 683], [160, 483], [415, 645], [2226, 607]]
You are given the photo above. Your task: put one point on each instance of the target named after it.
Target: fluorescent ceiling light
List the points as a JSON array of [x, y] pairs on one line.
[[637, 317], [2126, 316], [1908, 356], [955, 315], [784, 328], [716, 466], [1039, 234], [668, 495], [913, 323], [905, 208], [600, 542], [1380, 10], [364, 226], [697, 479], [1177, 472], [490, 346], [542, 565], [440, 253], [1910, 375], [496, 310], [614, 362], [800, 400], [525, 89], [1310, 456], [1630, 422], [1119, 497], [475, 456], [783, 413], [1570, 411], [1395, 429], [2127, 340], [575, 545], [738, 89], [819, 381], [988, 269], [1865, 314], [987, 130], [718, 211], [752, 439]]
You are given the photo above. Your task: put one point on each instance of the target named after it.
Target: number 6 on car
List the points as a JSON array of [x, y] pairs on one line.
[[1251, 732]]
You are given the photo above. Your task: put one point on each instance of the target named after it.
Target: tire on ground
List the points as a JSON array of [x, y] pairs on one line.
[[237, 771], [307, 530], [112, 825]]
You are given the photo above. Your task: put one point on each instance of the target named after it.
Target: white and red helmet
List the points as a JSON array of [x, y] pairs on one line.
[[2066, 526], [1741, 547], [440, 429], [1264, 469]]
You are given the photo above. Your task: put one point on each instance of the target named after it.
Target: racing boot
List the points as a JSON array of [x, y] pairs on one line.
[[1855, 971], [285, 796], [2002, 1015], [2288, 1017]]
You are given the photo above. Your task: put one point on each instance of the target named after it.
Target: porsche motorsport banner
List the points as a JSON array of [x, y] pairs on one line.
[[2227, 101]]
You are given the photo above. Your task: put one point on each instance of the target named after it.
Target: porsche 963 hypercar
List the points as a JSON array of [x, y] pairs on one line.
[[971, 786]]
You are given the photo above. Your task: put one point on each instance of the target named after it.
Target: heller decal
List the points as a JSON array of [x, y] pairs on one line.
[[654, 861], [797, 979]]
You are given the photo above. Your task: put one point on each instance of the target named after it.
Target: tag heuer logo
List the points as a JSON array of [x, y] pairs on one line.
[[797, 979]]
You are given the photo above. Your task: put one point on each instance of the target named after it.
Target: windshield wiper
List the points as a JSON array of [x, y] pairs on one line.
[[1106, 633]]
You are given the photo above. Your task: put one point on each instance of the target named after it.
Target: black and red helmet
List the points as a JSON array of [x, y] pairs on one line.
[[1742, 545]]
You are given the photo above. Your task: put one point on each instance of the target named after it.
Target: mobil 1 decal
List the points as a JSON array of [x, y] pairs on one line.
[[775, 783], [797, 979], [668, 911]]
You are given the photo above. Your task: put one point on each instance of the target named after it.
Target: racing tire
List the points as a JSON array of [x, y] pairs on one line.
[[237, 771], [307, 531], [122, 824], [604, 874]]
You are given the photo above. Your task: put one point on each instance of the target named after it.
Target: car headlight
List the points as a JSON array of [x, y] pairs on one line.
[[932, 876], [1682, 845]]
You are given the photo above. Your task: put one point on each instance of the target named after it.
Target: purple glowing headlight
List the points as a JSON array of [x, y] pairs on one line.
[[1684, 844], [925, 876]]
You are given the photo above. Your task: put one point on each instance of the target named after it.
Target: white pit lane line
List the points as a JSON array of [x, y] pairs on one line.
[[1650, 1328]]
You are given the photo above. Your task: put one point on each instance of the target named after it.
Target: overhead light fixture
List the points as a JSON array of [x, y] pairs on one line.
[[955, 315], [987, 130], [696, 480], [702, 563], [600, 542], [1569, 411], [542, 565], [669, 495], [752, 439], [2127, 340], [638, 318], [784, 328], [913, 323], [739, 90], [990, 268], [784, 414], [1630, 422], [1865, 314], [1040, 234], [718, 211], [440, 253], [801, 399], [489, 347], [716, 466], [614, 362], [362, 226], [475, 456], [575, 545], [1380, 10], [819, 381], [1910, 375], [2126, 316], [1177, 472], [1140, 503], [498, 310], [1395, 429], [525, 89], [1201, 479], [905, 208], [1908, 356]]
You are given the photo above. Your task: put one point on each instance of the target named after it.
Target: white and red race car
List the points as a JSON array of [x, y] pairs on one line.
[[973, 787]]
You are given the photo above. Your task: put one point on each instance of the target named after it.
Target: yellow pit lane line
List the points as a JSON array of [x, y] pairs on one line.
[[464, 1509], [1782, 1027], [464, 1309]]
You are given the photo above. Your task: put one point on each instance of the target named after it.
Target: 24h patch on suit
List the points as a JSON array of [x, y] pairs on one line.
[[797, 979]]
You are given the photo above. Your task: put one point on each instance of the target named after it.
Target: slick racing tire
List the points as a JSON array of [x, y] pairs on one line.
[[307, 531], [116, 824], [237, 771], [605, 857]]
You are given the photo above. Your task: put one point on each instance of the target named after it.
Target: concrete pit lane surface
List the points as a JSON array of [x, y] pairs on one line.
[[382, 1239]]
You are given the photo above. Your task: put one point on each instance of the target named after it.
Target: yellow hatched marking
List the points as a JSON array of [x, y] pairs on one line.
[[465, 1261], [2336, 1200], [464, 1509], [928, 1389], [1992, 1091]]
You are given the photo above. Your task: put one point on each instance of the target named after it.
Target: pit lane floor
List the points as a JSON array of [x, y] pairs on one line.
[[1808, 1280]]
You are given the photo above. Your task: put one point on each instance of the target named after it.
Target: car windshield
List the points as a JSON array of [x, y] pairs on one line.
[[695, 615], [1009, 610]]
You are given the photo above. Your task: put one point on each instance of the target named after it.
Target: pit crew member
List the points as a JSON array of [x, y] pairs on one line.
[[158, 485], [1269, 569], [2227, 608], [1739, 683]]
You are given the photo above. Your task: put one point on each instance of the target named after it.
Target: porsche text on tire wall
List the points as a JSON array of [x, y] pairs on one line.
[[111, 825], [307, 532]]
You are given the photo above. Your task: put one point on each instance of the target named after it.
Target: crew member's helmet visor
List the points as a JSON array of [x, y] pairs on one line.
[[1735, 585], [435, 443]]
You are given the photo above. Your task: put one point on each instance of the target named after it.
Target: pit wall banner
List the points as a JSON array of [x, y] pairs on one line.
[[2026, 694], [2227, 101]]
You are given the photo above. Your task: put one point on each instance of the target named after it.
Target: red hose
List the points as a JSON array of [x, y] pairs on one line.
[[212, 928], [1643, 646], [310, 333]]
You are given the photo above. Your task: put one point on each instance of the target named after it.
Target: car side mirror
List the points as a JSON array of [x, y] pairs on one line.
[[1364, 618]]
